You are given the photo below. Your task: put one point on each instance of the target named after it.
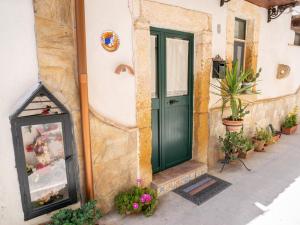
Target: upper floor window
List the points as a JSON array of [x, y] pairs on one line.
[[297, 39], [239, 42]]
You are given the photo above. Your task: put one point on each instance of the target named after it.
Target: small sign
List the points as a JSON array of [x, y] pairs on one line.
[[110, 41]]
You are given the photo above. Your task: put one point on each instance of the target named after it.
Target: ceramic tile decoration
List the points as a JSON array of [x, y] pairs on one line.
[[110, 41]]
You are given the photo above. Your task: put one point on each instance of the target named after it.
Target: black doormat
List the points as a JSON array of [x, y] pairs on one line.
[[202, 188]]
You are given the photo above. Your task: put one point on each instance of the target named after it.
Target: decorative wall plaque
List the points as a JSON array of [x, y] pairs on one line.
[[283, 71], [110, 41]]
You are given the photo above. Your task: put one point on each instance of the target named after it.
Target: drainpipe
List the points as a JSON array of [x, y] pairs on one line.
[[84, 105]]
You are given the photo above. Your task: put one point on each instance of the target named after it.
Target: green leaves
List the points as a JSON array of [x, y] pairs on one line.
[[230, 89], [133, 202], [291, 119], [88, 214], [263, 135], [235, 142]]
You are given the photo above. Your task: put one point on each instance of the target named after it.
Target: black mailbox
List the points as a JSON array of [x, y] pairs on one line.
[[219, 68]]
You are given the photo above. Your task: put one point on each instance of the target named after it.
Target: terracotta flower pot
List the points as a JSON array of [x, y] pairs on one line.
[[276, 138], [232, 125], [259, 145], [290, 130], [245, 155]]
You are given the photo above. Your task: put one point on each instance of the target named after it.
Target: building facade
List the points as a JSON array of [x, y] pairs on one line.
[[139, 124]]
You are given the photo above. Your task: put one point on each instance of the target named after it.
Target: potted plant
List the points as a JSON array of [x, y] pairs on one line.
[[137, 200], [88, 214], [250, 80], [232, 145], [229, 89], [275, 134], [262, 136], [290, 123], [247, 148]]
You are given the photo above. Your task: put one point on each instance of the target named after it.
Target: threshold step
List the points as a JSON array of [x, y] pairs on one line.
[[174, 177]]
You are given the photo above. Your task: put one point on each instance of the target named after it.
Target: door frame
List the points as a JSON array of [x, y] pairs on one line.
[[196, 22], [161, 68]]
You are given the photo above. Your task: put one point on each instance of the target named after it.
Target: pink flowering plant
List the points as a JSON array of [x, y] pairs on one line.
[[137, 200]]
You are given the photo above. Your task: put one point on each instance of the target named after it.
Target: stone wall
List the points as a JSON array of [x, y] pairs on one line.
[[262, 113], [113, 146]]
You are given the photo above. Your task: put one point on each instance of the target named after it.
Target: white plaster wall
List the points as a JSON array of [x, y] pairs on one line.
[[19, 72], [219, 15], [275, 48], [110, 94]]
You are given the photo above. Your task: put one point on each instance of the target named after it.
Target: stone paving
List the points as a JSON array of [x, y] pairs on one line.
[[268, 195]]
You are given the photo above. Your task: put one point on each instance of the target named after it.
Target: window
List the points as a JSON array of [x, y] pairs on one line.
[[297, 39], [239, 42]]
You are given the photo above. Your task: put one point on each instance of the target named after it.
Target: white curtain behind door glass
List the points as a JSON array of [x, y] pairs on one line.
[[177, 67], [153, 67]]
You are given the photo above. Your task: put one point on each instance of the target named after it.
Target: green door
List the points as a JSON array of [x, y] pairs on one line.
[[172, 97]]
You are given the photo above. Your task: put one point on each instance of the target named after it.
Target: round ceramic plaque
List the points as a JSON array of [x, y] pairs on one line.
[[110, 41]]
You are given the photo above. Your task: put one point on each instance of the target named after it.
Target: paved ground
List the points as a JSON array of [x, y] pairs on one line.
[[268, 195]]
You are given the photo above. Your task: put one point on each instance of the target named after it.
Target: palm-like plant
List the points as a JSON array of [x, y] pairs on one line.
[[230, 88]]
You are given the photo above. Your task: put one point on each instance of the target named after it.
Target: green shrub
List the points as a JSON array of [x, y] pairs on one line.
[[230, 90], [137, 200], [291, 119], [88, 214], [262, 134], [235, 142]]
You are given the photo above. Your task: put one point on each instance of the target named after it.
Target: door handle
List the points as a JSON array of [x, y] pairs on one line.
[[173, 101]]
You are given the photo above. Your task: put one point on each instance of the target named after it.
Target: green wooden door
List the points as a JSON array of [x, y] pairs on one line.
[[172, 97]]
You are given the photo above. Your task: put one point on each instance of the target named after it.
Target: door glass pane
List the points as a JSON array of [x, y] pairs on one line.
[[297, 39], [154, 93], [240, 29], [45, 163], [239, 49], [177, 67]]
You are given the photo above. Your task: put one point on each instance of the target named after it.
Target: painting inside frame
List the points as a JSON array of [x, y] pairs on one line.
[[45, 163]]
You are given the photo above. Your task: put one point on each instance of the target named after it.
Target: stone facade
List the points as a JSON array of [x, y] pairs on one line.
[[121, 154], [113, 146], [262, 113]]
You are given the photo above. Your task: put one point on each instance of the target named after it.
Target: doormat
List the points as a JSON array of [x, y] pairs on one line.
[[202, 188]]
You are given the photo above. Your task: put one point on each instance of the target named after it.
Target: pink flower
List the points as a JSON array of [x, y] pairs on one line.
[[146, 198], [139, 182], [135, 205]]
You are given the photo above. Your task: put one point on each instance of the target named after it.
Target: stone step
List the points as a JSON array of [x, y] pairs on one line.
[[174, 177]]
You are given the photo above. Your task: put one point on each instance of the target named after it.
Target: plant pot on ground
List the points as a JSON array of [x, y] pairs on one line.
[[261, 139], [290, 123], [275, 134], [230, 89]]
